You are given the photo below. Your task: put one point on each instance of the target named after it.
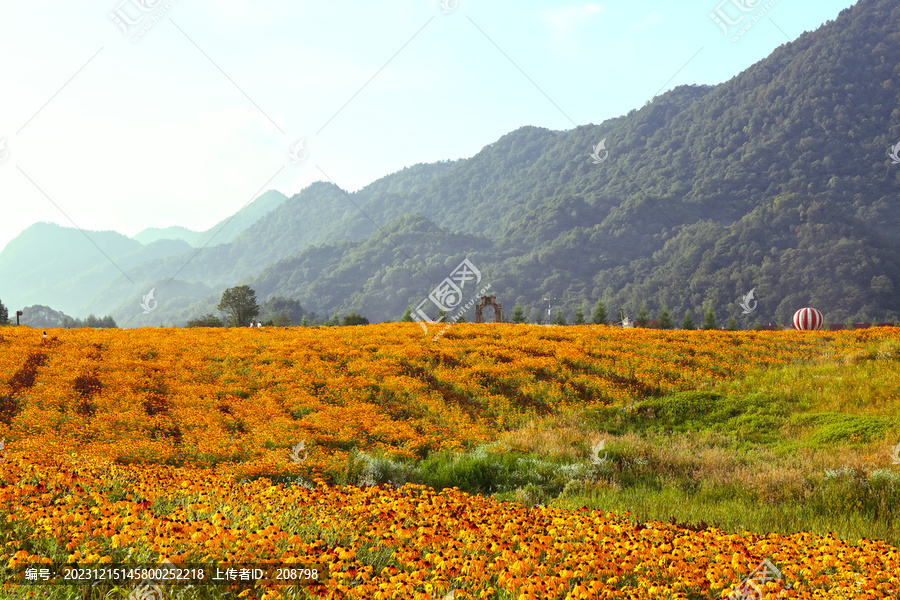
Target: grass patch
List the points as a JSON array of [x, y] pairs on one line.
[[805, 447], [833, 427]]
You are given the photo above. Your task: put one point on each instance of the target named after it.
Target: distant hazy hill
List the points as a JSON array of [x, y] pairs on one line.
[[72, 271], [320, 213], [62, 267], [222, 232], [154, 234]]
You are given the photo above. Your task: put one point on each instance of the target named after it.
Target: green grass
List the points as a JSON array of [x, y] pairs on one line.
[[800, 448]]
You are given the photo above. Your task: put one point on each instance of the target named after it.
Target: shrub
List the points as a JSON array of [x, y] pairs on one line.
[[207, 320], [354, 319]]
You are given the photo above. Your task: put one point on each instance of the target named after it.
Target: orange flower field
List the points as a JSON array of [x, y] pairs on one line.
[[135, 446]]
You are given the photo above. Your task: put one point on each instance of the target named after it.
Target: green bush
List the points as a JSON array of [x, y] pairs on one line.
[[207, 320], [364, 469], [479, 472], [354, 319], [834, 427]]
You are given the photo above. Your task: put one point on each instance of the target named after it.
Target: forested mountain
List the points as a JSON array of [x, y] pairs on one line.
[[175, 232], [409, 256], [778, 179]]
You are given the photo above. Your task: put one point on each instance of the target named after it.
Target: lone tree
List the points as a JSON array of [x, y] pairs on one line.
[[407, 316], [709, 320], [643, 319], [354, 319], [665, 319], [239, 305], [560, 319], [579, 316], [4, 314], [688, 322], [732, 324], [601, 317], [518, 314]]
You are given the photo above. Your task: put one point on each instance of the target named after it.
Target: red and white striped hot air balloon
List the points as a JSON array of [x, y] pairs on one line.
[[808, 319]]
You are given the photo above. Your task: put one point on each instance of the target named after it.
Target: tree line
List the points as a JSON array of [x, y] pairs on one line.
[[44, 316], [240, 309], [600, 316]]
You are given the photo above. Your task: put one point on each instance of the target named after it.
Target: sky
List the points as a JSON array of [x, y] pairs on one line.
[[128, 114]]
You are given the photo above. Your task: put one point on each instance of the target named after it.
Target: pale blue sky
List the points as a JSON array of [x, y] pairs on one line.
[[192, 120]]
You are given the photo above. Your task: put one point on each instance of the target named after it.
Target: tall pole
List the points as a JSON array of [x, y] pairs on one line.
[[549, 304]]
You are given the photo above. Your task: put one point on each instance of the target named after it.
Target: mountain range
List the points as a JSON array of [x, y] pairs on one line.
[[778, 180]]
